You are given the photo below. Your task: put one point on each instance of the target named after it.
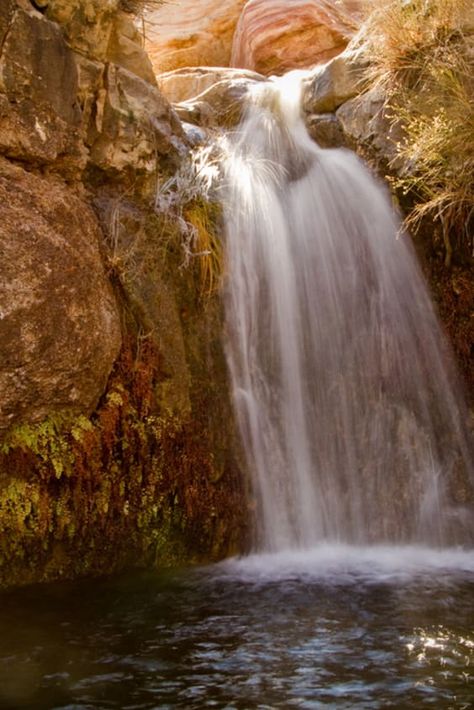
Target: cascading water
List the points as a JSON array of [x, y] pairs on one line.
[[343, 385]]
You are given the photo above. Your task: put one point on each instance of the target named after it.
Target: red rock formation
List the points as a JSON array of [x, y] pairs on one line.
[[186, 33], [273, 36]]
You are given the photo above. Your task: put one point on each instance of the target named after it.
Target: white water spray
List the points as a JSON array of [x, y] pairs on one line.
[[343, 384]]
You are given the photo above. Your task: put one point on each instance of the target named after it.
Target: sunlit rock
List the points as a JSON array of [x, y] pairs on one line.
[[189, 82], [208, 96], [332, 84], [135, 122], [274, 36], [126, 48], [188, 33], [87, 24]]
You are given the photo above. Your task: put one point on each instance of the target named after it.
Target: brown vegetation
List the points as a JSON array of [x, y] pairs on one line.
[[424, 59]]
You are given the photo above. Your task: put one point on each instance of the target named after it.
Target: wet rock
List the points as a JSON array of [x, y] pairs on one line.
[[59, 324], [136, 249], [186, 33], [273, 36], [326, 130]]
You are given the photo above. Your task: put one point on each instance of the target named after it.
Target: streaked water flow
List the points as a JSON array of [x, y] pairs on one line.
[[347, 402]]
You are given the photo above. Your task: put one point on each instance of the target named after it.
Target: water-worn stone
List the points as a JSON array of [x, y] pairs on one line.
[[59, 324], [189, 82], [208, 96], [334, 83], [189, 33], [40, 118], [273, 36]]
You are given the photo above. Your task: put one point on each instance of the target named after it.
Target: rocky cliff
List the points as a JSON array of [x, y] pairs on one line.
[[117, 438]]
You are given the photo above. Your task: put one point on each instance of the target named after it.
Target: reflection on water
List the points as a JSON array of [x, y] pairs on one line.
[[334, 627]]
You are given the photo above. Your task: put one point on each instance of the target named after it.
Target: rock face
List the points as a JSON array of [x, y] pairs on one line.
[[273, 36], [208, 96], [113, 386], [190, 82], [135, 123], [40, 118], [186, 33], [59, 321]]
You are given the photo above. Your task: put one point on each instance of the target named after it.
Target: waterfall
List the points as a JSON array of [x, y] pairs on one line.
[[345, 393]]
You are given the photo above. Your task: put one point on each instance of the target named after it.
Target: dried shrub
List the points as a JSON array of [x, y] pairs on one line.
[[424, 61]]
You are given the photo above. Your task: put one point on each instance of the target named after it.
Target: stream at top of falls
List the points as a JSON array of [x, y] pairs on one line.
[[360, 592]]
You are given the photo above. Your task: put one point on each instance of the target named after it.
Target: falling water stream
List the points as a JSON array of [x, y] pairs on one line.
[[347, 403], [360, 589]]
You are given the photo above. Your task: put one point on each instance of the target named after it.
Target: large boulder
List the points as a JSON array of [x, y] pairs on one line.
[[273, 36], [189, 33], [367, 125], [59, 323]]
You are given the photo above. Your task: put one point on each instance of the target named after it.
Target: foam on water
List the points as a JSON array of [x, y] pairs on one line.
[[336, 563]]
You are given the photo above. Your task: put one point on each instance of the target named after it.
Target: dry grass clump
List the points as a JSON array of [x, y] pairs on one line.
[[138, 7], [188, 199], [424, 59], [201, 215]]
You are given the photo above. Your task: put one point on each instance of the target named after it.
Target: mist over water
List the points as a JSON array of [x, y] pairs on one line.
[[349, 410]]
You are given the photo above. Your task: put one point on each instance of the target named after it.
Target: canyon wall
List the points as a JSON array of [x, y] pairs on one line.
[[117, 442]]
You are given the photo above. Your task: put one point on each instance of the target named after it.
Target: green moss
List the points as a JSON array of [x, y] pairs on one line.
[[132, 485]]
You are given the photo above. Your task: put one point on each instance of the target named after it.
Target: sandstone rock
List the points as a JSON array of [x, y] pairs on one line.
[[40, 118], [87, 24], [273, 36], [189, 33], [208, 96], [134, 123], [90, 90], [126, 48], [335, 83], [190, 82], [220, 105], [59, 325]]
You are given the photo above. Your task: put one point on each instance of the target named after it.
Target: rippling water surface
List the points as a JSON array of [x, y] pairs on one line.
[[334, 627]]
